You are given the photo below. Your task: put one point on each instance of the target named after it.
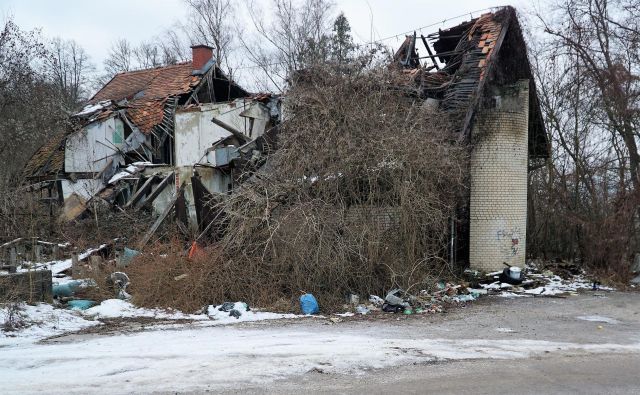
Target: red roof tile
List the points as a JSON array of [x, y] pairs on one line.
[[146, 91], [160, 82]]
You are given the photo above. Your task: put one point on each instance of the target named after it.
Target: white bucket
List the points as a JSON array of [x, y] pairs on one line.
[[515, 272]]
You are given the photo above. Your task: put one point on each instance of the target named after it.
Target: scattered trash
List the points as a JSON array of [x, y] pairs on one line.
[[309, 304], [180, 277], [227, 307], [396, 297], [464, 298], [388, 308], [194, 250], [66, 289], [127, 256], [120, 281], [376, 300], [236, 310], [362, 309], [511, 275], [335, 320]]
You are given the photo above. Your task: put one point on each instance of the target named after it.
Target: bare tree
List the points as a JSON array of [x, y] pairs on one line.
[[147, 55], [295, 37], [584, 202], [71, 70], [30, 108], [120, 58], [604, 37], [173, 47], [211, 22]]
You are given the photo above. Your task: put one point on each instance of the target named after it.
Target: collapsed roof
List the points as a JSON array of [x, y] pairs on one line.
[[467, 58], [146, 99]]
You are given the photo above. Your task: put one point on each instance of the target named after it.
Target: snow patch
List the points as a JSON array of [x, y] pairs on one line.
[[43, 321], [598, 318], [91, 108], [214, 358]]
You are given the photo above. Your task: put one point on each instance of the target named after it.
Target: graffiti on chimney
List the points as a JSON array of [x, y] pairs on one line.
[[509, 240]]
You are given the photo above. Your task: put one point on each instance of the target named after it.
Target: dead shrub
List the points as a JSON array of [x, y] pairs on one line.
[[164, 277], [11, 305], [23, 214], [356, 199], [104, 223]]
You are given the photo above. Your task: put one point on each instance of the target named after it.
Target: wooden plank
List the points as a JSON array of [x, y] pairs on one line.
[[140, 192], [160, 219], [243, 139], [154, 194]]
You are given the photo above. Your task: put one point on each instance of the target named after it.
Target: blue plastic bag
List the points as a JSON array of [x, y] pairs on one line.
[[308, 304], [66, 289], [80, 304]]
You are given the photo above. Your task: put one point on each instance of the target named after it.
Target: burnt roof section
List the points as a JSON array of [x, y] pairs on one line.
[[486, 50]]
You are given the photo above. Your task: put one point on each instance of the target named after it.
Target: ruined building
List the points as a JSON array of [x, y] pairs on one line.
[[173, 136], [155, 138], [479, 72]]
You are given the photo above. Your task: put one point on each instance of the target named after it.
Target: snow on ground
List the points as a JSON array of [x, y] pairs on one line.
[[116, 308], [554, 285], [214, 357], [43, 321]]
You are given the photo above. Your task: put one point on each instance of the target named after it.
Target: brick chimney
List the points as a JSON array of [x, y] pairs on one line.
[[200, 55]]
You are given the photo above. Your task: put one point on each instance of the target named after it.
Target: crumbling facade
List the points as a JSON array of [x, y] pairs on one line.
[[479, 73], [180, 135], [151, 138]]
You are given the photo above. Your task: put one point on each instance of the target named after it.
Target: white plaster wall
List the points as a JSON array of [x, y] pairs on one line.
[[84, 188], [90, 149], [194, 131]]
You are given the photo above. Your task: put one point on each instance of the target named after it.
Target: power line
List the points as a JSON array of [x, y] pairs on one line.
[[391, 37], [433, 24]]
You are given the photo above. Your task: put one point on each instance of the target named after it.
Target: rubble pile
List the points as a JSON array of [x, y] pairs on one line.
[[548, 280]]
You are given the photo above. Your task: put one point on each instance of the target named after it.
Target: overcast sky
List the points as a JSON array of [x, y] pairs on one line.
[[96, 24]]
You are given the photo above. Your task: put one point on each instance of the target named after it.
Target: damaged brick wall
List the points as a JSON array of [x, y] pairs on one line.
[[498, 175]]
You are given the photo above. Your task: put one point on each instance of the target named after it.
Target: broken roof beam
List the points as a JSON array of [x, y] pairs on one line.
[[140, 192], [160, 219], [433, 58], [154, 194], [239, 135]]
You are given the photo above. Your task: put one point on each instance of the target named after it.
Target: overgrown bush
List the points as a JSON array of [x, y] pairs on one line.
[[356, 199]]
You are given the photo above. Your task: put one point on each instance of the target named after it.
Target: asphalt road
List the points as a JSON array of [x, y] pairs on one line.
[[590, 318], [591, 374], [584, 344]]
